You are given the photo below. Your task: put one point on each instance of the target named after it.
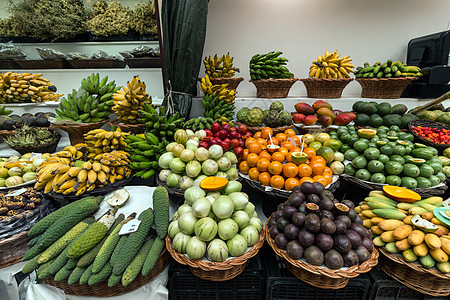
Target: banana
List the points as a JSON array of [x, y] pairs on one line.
[[48, 187], [73, 172], [330, 65], [97, 167], [92, 177], [82, 176], [87, 166], [68, 184]]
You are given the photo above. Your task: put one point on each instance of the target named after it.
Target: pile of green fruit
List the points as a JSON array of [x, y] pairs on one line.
[[273, 117], [436, 113], [199, 123], [217, 108], [375, 114], [270, 65], [70, 244], [445, 159], [386, 155], [389, 69], [158, 123]]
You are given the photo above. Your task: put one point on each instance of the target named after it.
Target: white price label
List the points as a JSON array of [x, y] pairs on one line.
[[16, 192], [35, 155], [130, 227]]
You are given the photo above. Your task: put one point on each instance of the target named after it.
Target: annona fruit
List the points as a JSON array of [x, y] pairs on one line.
[[286, 118], [273, 119], [241, 114], [254, 117], [277, 105]]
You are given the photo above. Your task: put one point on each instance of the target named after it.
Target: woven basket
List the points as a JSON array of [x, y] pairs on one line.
[[131, 128], [275, 130], [379, 187], [43, 64], [428, 281], [171, 191], [321, 277], [232, 82], [313, 129], [273, 88], [6, 133], [13, 248], [432, 124], [48, 148], [216, 271], [143, 62], [325, 87], [97, 63], [386, 88], [102, 290], [76, 131]]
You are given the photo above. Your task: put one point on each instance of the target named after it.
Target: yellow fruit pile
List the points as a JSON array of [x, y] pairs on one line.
[[99, 141], [330, 65], [218, 67]]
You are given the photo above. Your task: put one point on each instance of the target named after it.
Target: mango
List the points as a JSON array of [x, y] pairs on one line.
[[439, 255], [377, 220], [427, 216], [409, 255], [445, 245], [407, 220], [441, 231], [444, 267], [388, 236], [420, 250], [402, 245], [376, 230], [427, 261], [432, 241], [390, 247], [402, 232], [367, 223], [416, 237], [377, 241], [390, 224]]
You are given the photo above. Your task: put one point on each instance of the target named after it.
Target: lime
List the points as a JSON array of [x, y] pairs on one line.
[[341, 130], [393, 168], [359, 162], [434, 180], [397, 158], [441, 176], [410, 170], [351, 128], [350, 154], [387, 150], [344, 148], [375, 166], [423, 183], [372, 153], [327, 153], [378, 178], [315, 145], [363, 174], [399, 150], [409, 182], [393, 180], [333, 144], [383, 158], [349, 170], [334, 135], [426, 170], [383, 128], [360, 146]]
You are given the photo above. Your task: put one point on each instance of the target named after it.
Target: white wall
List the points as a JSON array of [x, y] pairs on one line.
[[367, 30]]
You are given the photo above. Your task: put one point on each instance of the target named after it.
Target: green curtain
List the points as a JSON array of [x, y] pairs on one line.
[[184, 30]]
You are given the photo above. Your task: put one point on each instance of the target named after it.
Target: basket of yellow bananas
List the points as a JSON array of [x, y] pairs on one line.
[[221, 71]]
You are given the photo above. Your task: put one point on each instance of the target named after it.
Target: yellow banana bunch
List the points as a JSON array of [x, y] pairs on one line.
[[331, 65], [99, 141], [217, 90], [26, 87], [220, 67], [129, 100]]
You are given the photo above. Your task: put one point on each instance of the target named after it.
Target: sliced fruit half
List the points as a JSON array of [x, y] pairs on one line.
[[422, 224], [367, 133], [417, 161], [401, 194], [119, 198], [299, 157], [213, 183]]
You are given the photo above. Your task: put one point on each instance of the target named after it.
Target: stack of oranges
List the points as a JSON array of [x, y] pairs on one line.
[[273, 166]]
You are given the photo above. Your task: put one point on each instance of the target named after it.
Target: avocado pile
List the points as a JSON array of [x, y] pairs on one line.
[[388, 156], [12, 122], [375, 114]]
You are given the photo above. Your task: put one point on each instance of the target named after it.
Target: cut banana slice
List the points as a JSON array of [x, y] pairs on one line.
[[119, 198]]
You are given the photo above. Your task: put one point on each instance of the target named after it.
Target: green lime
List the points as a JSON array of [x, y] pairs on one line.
[[360, 146], [399, 150], [349, 170], [383, 158], [363, 174], [397, 158], [434, 180], [359, 162], [351, 128], [341, 130], [426, 170], [372, 153], [378, 178], [409, 182], [375, 166], [344, 148], [383, 128], [410, 170], [394, 128], [393, 180], [387, 150], [441, 176], [350, 154], [423, 183], [393, 168]]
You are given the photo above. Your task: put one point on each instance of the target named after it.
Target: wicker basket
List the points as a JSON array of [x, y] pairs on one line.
[[379, 187], [97, 63], [428, 281], [216, 271], [143, 62], [13, 248], [426, 123], [131, 128], [171, 191], [43, 64], [385, 88], [313, 129], [321, 277], [76, 131], [48, 148], [102, 290], [273, 88], [232, 82], [325, 87], [275, 130]]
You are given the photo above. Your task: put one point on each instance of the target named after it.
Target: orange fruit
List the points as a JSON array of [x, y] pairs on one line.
[[255, 148], [264, 178], [281, 137], [296, 149], [296, 141], [262, 142], [283, 150], [263, 164], [253, 173], [290, 170], [289, 132], [277, 181], [288, 145], [328, 171], [290, 183], [318, 159], [317, 168], [328, 177], [278, 156], [265, 154], [321, 179], [289, 157], [304, 170], [275, 168], [249, 141], [245, 154], [244, 167], [273, 141], [252, 159], [305, 179], [257, 135], [265, 132], [309, 151]]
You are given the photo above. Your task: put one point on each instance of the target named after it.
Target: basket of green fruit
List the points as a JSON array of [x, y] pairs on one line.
[[31, 139]]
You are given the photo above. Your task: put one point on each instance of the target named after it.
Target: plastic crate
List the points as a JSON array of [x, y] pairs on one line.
[[386, 288], [282, 285], [183, 285]]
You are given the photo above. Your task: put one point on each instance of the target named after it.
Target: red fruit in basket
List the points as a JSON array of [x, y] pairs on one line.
[[337, 111], [233, 129], [342, 120], [226, 126], [242, 128], [310, 120], [223, 134], [241, 142], [304, 108], [351, 114], [325, 121], [234, 143], [238, 151], [298, 118], [225, 145], [216, 141], [234, 134], [215, 127], [320, 103], [247, 135], [204, 144], [209, 132], [227, 140]]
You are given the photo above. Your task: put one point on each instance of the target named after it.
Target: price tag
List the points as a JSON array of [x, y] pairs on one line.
[[35, 155], [130, 227], [16, 192]]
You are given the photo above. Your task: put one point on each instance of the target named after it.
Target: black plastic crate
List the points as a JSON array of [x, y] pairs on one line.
[[183, 285], [386, 288], [282, 285]]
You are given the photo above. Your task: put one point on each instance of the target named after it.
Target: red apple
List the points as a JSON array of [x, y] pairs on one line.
[[241, 143], [216, 141], [238, 151], [223, 134], [234, 134], [239, 136], [298, 118], [215, 127], [209, 132], [226, 126], [225, 146], [242, 128], [203, 144], [234, 143], [247, 135], [227, 140], [217, 134]]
